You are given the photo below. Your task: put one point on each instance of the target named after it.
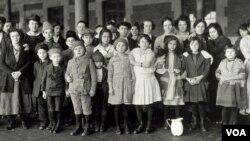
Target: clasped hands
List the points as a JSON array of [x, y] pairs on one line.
[[16, 75], [195, 80]]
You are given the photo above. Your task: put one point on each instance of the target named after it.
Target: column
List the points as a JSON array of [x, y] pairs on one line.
[[81, 10], [199, 9], [8, 10]]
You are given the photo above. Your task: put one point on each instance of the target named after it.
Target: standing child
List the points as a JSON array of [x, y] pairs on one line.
[[81, 76], [170, 79], [230, 94], [197, 68], [100, 100], [53, 87], [120, 83], [87, 37], [39, 67]]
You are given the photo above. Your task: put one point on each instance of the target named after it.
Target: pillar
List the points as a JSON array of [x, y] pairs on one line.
[[199, 9], [8, 10], [81, 10]]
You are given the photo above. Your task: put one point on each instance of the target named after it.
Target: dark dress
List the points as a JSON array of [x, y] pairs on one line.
[[15, 95], [62, 42]]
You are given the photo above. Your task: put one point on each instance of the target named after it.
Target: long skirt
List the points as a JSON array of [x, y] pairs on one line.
[[15, 103]]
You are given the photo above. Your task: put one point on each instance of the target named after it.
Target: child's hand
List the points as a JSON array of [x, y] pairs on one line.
[[26, 47], [44, 95], [67, 94], [191, 80], [91, 93], [69, 79], [198, 79]]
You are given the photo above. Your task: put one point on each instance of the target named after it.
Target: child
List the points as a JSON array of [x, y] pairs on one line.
[[170, 79], [104, 47], [123, 29], [147, 89], [96, 40], [120, 83], [81, 76], [100, 100], [87, 37], [53, 87], [230, 94], [197, 68], [39, 67]]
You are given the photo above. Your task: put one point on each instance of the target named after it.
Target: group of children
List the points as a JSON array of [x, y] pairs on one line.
[[115, 74]]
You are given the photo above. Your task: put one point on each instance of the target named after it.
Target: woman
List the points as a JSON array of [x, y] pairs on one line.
[[242, 32], [147, 89], [16, 88], [147, 27], [134, 33], [216, 45]]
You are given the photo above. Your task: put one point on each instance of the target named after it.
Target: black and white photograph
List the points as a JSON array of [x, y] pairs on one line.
[[124, 70]]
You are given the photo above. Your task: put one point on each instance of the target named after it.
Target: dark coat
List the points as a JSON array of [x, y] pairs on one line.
[[196, 93], [53, 82], [9, 65], [104, 82], [62, 42], [38, 71]]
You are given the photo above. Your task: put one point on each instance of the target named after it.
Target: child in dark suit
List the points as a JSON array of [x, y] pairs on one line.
[[53, 87], [39, 67]]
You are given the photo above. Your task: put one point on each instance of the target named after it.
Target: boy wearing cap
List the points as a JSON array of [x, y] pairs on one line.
[[81, 76], [100, 100], [53, 87], [87, 37], [38, 70]]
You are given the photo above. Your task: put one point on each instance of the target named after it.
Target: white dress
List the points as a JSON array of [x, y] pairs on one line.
[[147, 89]]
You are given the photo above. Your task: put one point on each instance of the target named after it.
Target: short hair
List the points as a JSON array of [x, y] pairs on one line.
[[185, 19], [105, 30], [137, 25], [217, 27], [200, 21], [148, 20], [110, 23], [86, 24], [169, 38], [167, 19], [242, 27], [42, 46], [127, 24], [199, 42], [12, 29], [230, 47], [146, 37], [54, 50]]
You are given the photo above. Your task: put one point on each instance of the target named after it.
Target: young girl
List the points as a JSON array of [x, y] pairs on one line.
[[170, 80], [53, 87], [120, 83], [104, 47], [147, 90], [81, 76], [197, 68], [230, 94]]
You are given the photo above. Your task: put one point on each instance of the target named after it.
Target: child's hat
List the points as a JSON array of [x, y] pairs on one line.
[[87, 31], [71, 33], [78, 43], [121, 40], [97, 56], [55, 50], [47, 25]]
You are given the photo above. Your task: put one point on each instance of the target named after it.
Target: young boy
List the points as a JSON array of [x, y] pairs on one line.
[[123, 30], [81, 76], [39, 66], [87, 37], [100, 100], [53, 87]]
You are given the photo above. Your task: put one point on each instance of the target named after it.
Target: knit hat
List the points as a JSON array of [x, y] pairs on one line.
[[78, 43], [121, 40], [47, 25], [55, 50], [71, 33], [88, 32], [97, 56]]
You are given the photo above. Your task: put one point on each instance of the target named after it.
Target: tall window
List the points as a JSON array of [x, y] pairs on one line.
[[55, 14], [113, 10]]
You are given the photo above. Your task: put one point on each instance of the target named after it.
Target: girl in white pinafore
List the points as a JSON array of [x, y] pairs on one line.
[[147, 90]]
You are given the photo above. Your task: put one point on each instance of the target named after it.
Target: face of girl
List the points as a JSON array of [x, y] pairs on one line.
[[172, 45], [106, 38], [182, 26], [98, 65], [7, 26], [15, 37], [123, 31], [48, 34], [243, 33], [98, 30], [33, 26], [57, 30], [80, 28], [200, 28], [88, 39], [79, 51], [134, 31], [42, 54], [167, 26], [69, 42], [55, 58], [213, 33], [121, 47], [147, 27], [144, 44], [194, 46], [230, 54]]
